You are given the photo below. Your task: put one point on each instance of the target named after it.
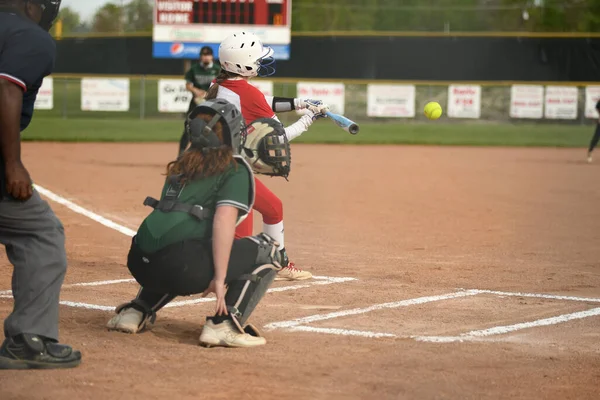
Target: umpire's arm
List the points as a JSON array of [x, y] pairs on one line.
[[18, 182]]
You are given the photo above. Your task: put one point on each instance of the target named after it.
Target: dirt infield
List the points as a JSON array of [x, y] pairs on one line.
[[454, 273]]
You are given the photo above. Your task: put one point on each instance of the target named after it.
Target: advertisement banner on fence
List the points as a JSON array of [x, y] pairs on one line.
[[464, 101], [266, 87], [592, 96], [45, 96], [100, 94], [396, 101], [561, 102], [330, 93], [173, 97], [527, 101]]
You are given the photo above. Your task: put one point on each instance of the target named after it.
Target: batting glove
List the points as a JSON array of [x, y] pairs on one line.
[[316, 106]]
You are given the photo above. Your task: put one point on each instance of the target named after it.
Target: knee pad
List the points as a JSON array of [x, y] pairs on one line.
[[268, 250]]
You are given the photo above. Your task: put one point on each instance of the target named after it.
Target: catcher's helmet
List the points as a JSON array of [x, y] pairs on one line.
[[201, 133]]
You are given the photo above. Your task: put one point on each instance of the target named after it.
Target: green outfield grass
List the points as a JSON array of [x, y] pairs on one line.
[[123, 130]]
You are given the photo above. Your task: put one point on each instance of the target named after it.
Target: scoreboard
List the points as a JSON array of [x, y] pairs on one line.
[[182, 27]]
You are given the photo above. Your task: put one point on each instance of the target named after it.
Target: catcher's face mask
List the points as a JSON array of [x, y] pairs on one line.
[[50, 10]]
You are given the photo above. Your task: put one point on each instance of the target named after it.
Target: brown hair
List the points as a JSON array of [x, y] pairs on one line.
[[197, 163], [214, 89]]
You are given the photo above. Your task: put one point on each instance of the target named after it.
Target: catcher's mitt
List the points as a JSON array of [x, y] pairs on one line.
[[267, 148]]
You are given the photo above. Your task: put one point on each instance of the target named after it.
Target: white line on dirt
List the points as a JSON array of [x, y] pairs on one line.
[[74, 304], [80, 210], [96, 283], [87, 306], [499, 330], [319, 280], [343, 332], [100, 283], [537, 295], [355, 311]]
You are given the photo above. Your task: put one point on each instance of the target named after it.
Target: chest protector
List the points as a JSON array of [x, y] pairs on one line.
[[170, 201]]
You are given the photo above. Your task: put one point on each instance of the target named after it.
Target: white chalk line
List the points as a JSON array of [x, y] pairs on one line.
[[74, 304], [355, 311], [500, 330], [80, 210], [96, 283], [343, 332], [476, 335], [297, 323], [537, 295], [319, 280], [87, 306]]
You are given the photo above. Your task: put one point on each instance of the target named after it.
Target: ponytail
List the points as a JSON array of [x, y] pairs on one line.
[[213, 91]]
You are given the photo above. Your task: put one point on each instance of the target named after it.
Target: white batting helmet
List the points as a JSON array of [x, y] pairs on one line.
[[244, 54]]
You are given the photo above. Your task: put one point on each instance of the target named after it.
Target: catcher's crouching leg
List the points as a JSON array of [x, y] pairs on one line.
[[242, 298]]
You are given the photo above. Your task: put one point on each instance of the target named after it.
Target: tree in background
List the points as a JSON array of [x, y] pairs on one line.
[[108, 18], [451, 15], [392, 15], [139, 16], [70, 20], [135, 16]]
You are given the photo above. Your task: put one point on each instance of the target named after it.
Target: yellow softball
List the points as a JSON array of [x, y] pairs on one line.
[[433, 110]]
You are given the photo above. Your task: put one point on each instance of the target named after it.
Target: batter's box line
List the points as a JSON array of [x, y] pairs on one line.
[[318, 281], [300, 324]]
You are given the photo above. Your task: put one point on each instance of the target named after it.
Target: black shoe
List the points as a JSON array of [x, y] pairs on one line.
[[36, 352]]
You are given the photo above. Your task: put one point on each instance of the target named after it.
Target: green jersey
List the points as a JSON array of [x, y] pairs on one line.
[[201, 76], [234, 187]]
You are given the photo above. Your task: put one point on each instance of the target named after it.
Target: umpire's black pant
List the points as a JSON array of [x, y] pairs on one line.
[[186, 268]]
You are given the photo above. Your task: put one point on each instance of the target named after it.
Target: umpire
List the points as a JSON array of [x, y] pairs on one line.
[[33, 236], [197, 80]]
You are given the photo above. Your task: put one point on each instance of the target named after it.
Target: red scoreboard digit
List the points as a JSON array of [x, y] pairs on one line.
[[240, 12]]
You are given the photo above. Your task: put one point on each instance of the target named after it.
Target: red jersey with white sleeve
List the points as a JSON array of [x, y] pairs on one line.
[[253, 104], [247, 98]]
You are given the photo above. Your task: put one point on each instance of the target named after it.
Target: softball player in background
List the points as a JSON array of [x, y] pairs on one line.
[[243, 56], [596, 136], [197, 81]]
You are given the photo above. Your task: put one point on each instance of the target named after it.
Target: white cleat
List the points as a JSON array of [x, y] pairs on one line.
[[127, 320], [227, 335], [589, 159]]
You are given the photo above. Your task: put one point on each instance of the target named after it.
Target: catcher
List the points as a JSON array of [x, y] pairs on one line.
[[186, 245]]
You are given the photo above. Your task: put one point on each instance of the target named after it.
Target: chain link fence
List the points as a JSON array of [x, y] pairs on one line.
[[144, 103]]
